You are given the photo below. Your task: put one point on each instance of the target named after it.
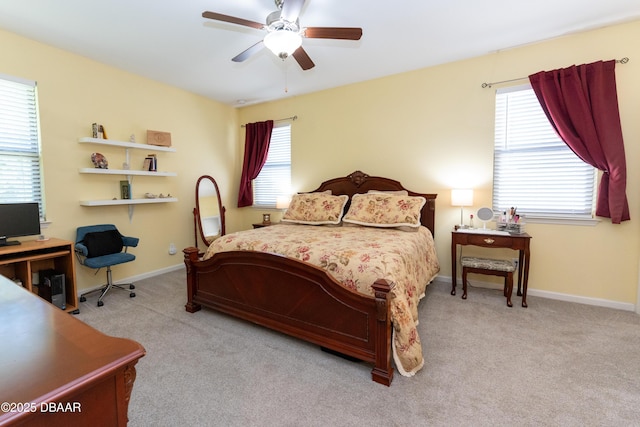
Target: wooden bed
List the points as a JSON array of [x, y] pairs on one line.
[[299, 299]]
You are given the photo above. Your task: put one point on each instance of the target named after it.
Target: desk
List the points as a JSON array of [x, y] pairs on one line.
[[24, 260], [518, 242], [58, 371]]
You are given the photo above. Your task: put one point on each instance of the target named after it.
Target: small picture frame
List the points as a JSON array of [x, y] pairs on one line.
[[125, 190], [266, 219]]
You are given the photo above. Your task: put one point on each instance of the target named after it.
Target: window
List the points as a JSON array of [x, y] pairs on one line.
[[534, 170], [20, 171], [275, 177]]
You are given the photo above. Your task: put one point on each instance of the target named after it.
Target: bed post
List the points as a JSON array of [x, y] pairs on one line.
[[191, 256], [383, 371]]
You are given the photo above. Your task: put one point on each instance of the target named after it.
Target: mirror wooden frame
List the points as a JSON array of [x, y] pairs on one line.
[[198, 229]]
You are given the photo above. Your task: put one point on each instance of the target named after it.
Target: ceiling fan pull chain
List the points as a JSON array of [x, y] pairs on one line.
[[286, 78]]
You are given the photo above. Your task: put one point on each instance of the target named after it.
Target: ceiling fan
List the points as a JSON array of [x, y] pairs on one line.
[[284, 33]]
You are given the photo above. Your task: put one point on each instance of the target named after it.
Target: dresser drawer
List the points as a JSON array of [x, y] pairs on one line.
[[499, 241]]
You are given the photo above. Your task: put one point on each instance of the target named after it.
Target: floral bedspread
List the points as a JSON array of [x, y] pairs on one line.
[[357, 257]]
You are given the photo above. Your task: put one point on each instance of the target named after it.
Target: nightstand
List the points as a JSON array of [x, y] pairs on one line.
[[261, 224]]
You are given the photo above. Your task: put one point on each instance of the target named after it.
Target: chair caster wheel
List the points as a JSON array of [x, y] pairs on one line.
[[82, 299], [132, 294], [100, 303], [132, 287]]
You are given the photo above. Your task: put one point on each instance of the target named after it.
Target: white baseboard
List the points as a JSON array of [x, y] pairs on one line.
[[552, 295], [446, 279], [154, 273], [137, 277]]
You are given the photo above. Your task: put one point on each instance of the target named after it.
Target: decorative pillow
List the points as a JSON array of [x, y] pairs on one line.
[[385, 210], [100, 243], [315, 209]]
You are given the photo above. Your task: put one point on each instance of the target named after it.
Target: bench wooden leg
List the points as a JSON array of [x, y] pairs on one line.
[[509, 288], [464, 283]]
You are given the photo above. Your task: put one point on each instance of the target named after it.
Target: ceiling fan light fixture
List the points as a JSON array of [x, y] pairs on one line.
[[283, 42]]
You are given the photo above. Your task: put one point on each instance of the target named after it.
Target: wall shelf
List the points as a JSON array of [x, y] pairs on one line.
[[124, 144], [120, 202], [129, 173], [125, 172]]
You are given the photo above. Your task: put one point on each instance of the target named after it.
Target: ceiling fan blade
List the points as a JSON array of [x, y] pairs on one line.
[[247, 53], [291, 10], [303, 59], [232, 19], [342, 33]]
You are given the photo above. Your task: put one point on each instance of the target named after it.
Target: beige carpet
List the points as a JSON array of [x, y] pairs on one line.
[[553, 364]]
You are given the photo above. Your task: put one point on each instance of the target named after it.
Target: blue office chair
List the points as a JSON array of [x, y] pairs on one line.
[[99, 246]]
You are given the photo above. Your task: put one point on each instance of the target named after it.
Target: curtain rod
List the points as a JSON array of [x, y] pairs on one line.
[[292, 118], [484, 85]]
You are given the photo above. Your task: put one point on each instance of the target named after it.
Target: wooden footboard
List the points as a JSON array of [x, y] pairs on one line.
[[297, 299]]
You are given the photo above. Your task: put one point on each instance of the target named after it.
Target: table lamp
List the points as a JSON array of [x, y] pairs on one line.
[[461, 197], [282, 202]]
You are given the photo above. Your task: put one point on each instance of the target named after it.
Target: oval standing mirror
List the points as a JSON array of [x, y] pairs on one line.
[[485, 214], [208, 215]]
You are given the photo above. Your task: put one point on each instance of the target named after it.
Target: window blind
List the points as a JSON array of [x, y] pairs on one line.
[[20, 163], [275, 177], [534, 170]]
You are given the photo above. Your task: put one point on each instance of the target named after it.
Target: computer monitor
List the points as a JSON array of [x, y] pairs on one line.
[[17, 220]]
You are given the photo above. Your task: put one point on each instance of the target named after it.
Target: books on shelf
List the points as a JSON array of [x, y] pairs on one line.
[[150, 163]]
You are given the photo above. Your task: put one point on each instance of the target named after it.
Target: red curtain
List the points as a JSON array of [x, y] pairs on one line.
[[581, 103], [256, 148]]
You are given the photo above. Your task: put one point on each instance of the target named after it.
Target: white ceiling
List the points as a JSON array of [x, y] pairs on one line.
[[169, 41]]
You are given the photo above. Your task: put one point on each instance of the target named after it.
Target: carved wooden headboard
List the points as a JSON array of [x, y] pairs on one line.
[[359, 182]]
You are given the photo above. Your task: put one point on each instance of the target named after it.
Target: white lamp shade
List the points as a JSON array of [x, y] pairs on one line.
[[461, 197], [282, 202], [282, 42]]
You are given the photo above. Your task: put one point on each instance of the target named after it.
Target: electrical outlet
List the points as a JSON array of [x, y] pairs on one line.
[[516, 261], [172, 249]]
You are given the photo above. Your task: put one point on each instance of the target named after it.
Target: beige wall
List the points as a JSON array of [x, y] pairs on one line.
[[432, 129], [75, 92]]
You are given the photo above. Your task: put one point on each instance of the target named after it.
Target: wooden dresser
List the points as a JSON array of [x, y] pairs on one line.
[[55, 370]]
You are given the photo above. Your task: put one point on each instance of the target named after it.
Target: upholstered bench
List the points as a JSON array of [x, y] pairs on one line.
[[493, 267]]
